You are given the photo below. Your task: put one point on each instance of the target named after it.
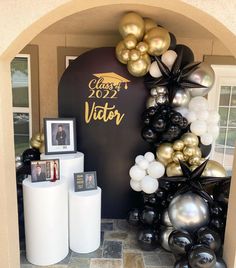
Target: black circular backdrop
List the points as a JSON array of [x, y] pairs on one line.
[[107, 103]]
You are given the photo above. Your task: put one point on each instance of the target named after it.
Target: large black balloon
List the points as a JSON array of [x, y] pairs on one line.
[[201, 256], [172, 42], [180, 242], [209, 238], [188, 55], [149, 216], [182, 263], [134, 217], [220, 263], [29, 155], [148, 239], [205, 149]]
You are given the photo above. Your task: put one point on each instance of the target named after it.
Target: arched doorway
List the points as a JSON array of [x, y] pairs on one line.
[[49, 15]]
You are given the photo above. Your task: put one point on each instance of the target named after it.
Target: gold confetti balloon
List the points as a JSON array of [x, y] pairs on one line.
[[173, 169], [130, 41], [158, 40], [178, 145], [142, 47], [139, 67], [190, 139], [214, 169], [177, 156], [149, 24], [164, 153], [132, 23]]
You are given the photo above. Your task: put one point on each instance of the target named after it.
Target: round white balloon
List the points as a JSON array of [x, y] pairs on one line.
[[191, 116], [207, 139], [149, 185], [136, 173], [149, 156], [202, 115], [143, 163], [213, 129], [154, 70], [168, 58], [136, 185], [198, 104], [198, 127], [138, 158], [156, 170], [213, 117], [183, 110]]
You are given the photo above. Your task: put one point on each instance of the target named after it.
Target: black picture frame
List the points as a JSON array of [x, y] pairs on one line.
[[81, 182], [47, 171], [68, 143]]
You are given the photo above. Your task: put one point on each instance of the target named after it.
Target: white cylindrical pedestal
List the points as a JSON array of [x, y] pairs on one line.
[[85, 220], [69, 164], [46, 221]]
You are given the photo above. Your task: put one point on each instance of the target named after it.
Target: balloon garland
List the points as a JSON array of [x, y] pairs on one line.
[[179, 213]]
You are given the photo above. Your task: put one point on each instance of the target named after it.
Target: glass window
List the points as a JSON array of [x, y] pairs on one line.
[[225, 96]]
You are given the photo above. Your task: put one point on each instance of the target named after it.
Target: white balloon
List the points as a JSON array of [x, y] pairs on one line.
[[149, 185], [183, 110], [149, 156], [138, 158], [143, 163], [168, 58], [154, 70], [202, 115], [198, 104], [191, 116], [213, 129], [136, 185], [207, 139], [214, 117], [136, 173], [198, 127], [156, 170]]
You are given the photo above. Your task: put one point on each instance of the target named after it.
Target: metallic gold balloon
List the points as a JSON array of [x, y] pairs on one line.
[[190, 139], [214, 169], [35, 143], [149, 24], [198, 152], [173, 169], [177, 156], [119, 48], [37, 137], [139, 67], [189, 151], [178, 145], [158, 40], [194, 160], [192, 168], [132, 23], [135, 54], [130, 41], [42, 148], [125, 55], [42, 137], [142, 47], [164, 153]]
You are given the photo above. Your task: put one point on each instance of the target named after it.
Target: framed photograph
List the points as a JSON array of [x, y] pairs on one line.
[[85, 181], [45, 170], [60, 135]]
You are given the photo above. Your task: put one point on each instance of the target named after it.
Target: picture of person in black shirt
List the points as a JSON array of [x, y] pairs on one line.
[[61, 135]]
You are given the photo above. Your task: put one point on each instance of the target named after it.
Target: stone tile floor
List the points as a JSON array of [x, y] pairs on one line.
[[119, 249]]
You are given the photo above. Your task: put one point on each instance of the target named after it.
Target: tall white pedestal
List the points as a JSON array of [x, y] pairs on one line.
[[85, 220], [46, 221], [69, 164]]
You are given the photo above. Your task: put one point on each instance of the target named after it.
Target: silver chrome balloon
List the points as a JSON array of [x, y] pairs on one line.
[[165, 219], [188, 212], [203, 75], [162, 99], [18, 164], [159, 90], [164, 237], [151, 102], [181, 98], [18, 158]]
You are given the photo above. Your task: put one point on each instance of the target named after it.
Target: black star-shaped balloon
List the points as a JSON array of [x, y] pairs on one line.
[[193, 181], [173, 79]]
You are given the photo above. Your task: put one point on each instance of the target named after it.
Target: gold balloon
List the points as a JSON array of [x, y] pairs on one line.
[[142, 47], [135, 54], [186, 158], [42, 148], [194, 160], [130, 41], [35, 143], [158, 40], [36, 137], [177, 156], [178, 145], [192, 168], [139, 67], [214, 169], [125, 55], [132, 23], [173, 169], [198, 152], [190, 139], [119, 48], [189, 151], [42, 137], [164, 153], [149, 24]]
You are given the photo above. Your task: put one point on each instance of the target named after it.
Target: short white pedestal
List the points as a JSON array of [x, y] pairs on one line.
[[85, 220], [69, 164], [46, 221]]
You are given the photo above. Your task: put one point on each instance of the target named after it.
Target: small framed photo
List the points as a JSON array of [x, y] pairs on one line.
[[45, 170], [60, 135], [85, 181]]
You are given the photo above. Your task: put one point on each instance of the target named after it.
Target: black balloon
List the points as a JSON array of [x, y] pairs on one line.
[[149, 199], [188, 55], [180, 242], [149, 216], [29, 155], [133, 217], [218, 224], [182, 263], [201, 256], [205, 149], [210, 238], [149, 134], [221, 192], [220, 263], [172, 42], [148, 239], [160, 193], [217, 210]]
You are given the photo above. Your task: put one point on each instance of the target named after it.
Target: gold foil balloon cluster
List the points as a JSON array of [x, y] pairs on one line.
[[37, 142], [141, 38]]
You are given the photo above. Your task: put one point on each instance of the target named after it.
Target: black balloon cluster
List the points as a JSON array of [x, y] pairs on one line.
[[163, 124]]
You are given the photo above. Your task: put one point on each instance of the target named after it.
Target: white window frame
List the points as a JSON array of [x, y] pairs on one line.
[[26, 109]]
